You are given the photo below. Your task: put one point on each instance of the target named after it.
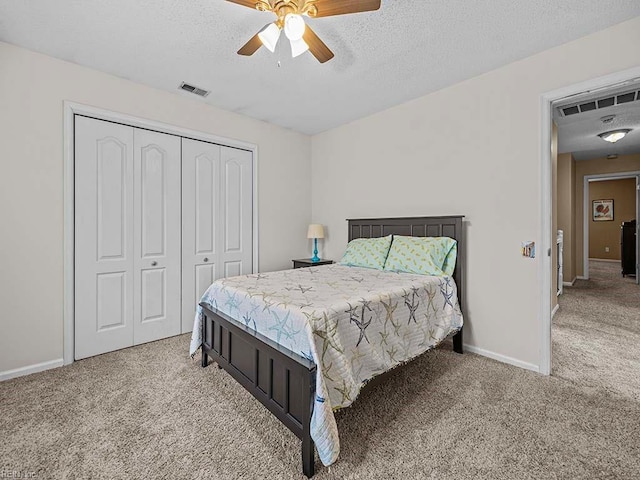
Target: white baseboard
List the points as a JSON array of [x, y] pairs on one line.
[[610, 260], [571, 283], [554, 311], [38, 367], [581, 277], [41, 367], [502, 358]]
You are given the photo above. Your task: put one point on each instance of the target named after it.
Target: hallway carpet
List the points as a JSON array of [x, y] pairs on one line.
[[596, 333]]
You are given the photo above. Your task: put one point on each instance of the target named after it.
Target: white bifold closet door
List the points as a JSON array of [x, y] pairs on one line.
[[127, 236], [156, 234], [217, 221]]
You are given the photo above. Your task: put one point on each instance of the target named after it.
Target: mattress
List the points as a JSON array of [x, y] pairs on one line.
[[353, 323]]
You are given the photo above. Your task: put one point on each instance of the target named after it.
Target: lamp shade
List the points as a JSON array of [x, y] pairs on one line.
[[315, 231], [269, 36], [294, 26], [298, 47]]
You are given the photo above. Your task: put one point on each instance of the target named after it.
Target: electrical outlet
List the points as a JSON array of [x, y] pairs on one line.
[[606, 249]]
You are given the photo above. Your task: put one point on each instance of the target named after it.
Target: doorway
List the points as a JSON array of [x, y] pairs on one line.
[[611, 209], [574, 93]]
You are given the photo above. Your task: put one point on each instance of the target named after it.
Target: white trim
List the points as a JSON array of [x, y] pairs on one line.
[[599, 177], [501, 358], [603, 177], [68, 312], [38, 367], [571, 283], [555, 310], [544, 265], [70, 109], [580, 277], [604, 260], [256, 250]]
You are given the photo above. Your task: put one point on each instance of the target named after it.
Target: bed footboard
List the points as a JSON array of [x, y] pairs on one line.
[[281, 380]]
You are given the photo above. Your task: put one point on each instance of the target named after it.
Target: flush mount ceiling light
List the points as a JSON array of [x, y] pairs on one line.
[[290, 19], [614, 135]]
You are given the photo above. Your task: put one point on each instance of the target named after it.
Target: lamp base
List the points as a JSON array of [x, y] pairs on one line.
[[315, 257]]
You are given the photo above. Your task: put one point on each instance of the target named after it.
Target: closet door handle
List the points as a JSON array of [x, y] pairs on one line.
[[206, 259], [154, 263]]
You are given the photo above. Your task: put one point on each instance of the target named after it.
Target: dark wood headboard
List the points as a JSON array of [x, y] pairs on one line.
[[450, 226]]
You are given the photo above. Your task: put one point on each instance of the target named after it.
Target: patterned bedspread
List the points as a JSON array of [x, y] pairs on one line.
[[354, 323]]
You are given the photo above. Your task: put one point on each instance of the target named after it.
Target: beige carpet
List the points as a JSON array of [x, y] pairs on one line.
[[596, 333], [151, 412]]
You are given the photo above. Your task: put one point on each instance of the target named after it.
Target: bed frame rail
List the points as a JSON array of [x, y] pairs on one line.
[[282, 381]]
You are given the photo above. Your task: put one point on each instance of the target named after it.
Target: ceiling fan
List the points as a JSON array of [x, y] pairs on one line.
[[290, 19]]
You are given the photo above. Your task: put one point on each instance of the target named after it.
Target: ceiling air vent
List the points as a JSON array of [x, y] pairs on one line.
[[626, 98], [606, 102], [570, 110], [597, 103], [586, 107], [195, 90]]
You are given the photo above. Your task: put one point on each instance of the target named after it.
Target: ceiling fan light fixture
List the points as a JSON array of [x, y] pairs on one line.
[[269, 36], [298, 47], [294, 27], [290, 18], [614, 135]]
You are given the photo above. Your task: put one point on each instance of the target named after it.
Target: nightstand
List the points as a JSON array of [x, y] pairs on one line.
[[306, 262]]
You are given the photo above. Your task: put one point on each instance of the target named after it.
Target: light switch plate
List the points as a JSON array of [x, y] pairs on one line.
[[528, 249]]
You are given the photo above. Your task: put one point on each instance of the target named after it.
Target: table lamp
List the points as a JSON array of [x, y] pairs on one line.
[[315, 231]]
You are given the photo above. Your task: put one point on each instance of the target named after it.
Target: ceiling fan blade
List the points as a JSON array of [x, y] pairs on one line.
[[245, 3], [251, 46], [327, 8], [317, 46]]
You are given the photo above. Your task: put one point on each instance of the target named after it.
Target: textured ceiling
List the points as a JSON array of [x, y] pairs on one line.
[[405, 50], [578, 134]]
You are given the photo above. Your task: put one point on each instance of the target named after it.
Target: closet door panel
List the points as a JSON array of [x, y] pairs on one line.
[[103, 237], [157, 199], [200, 223], [237, 221], [205, 200]]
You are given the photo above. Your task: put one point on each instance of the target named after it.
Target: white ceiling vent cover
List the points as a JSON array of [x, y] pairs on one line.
[[193, 89], [600, 102]]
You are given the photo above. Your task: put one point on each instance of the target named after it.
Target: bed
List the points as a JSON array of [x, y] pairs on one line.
[[305, 342]]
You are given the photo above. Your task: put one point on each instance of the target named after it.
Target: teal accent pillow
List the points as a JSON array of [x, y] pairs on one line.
[[423, 255], [367, 252]]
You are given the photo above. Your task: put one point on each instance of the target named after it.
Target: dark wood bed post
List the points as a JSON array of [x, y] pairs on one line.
[[308, 451], [204, 358], [457, 342], [458, 276]]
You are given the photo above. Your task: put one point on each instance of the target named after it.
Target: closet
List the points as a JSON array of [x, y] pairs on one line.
[[158, 218]]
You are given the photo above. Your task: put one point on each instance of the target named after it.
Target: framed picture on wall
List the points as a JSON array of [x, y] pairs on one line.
[[603, 210]]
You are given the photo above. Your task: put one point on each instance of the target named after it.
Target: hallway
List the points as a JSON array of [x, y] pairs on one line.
[[596, 332]]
